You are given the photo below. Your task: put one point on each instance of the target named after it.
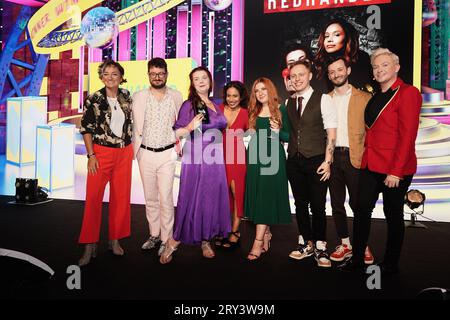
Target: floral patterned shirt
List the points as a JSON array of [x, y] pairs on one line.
[[96, 119]]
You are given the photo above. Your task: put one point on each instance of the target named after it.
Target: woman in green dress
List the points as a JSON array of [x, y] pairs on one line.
[[266, 194]]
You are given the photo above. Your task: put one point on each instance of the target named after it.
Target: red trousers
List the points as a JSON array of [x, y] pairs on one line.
[[115, 165]]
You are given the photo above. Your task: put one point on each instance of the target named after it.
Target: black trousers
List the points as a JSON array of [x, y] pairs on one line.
[[343, 175], [308, 190], [370, 185]]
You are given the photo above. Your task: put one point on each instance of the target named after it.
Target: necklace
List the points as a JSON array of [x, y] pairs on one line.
[[113, 102]]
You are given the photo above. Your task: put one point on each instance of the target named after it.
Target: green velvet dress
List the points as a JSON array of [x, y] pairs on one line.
[[266, 191]]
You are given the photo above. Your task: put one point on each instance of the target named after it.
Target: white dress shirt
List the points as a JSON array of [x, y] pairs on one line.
[[329, 114], [341, 102]]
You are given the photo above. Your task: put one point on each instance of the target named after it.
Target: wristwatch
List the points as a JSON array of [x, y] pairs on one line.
[[90, 155]]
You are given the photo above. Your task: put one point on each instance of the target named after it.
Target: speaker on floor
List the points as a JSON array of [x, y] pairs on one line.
[[26, 190], [29, 193]]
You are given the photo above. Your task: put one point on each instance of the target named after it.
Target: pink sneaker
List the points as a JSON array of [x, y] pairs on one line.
[[341, 253], [368, 257]]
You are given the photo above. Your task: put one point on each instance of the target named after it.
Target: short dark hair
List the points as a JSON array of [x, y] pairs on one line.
[[333, 59], [157, 63], [111, 63]]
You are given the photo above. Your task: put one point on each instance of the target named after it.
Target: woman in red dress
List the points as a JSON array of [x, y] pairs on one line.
[[235, 100]]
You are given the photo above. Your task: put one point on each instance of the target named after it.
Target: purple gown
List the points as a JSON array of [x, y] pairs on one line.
[[203, 210]]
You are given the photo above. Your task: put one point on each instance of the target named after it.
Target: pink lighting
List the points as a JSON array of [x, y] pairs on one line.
[[124, 45], [81, 79], [211, 43], [94, 55], [159, 36], [30, 3], [237, 41], [182, 31], [196, 31], [97, 55], [141, 41]]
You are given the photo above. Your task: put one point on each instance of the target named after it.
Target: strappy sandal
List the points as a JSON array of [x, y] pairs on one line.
[[231, 245], [218, 241], [167, 254], [207, 251], [267, 238], [251, 254]]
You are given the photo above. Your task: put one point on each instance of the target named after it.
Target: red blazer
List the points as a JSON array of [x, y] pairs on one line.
[[390, 140]]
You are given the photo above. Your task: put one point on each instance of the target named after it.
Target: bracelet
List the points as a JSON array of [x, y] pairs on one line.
[[328, 162], [90, 155]]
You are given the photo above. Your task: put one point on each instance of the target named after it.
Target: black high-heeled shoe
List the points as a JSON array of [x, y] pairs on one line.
[[219, 241], [231, 245], [254, 255]]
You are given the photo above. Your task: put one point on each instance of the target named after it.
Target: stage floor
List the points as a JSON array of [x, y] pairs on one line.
[[49, 232]]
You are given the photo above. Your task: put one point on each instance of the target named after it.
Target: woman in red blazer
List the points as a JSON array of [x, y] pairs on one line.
[[389, 160]]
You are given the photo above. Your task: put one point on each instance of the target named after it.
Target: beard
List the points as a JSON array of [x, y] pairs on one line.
[[340, 83], [158, 85]]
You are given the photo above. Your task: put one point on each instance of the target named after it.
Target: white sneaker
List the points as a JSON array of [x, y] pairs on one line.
[[302, 251], [322, 258]]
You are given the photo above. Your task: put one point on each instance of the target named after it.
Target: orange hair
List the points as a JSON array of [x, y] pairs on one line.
[[254, 106]]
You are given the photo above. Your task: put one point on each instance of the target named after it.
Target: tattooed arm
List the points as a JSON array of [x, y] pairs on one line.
[[330, 122], [331, 144], [325, 167]]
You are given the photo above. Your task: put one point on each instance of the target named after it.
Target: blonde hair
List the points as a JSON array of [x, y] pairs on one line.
[[381, 51]]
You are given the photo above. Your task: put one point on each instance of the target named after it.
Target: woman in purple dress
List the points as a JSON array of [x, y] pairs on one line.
[[203, 205]]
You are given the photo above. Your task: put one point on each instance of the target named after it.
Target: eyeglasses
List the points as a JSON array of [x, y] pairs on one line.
[[159, 75]]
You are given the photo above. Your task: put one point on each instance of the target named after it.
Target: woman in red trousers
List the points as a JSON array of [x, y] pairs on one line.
[[106, 127]]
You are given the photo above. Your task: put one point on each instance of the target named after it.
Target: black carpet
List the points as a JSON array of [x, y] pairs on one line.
[[50, 231]]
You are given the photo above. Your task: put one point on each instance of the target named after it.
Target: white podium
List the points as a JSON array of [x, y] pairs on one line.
[[55, 156], [24, 114]]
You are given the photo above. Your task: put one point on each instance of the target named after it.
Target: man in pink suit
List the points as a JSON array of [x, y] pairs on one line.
[[155, 111]]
